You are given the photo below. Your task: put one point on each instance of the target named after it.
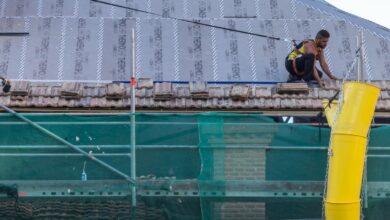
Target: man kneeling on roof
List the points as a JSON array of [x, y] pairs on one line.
[[300, 63]]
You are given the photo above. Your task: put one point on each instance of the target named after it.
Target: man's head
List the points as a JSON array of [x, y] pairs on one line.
[[322, 38]]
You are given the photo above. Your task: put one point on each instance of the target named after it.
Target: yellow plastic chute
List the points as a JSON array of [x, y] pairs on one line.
[[348, 150], [330, 110]]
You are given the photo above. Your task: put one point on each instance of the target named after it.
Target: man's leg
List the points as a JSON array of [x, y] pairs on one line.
[[311, 77], [305, 63], [292, 76]]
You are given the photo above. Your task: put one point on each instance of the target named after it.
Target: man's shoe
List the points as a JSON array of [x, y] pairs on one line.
[[294, 79]]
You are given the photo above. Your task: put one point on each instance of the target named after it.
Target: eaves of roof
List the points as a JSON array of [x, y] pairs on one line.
[[197, 96]]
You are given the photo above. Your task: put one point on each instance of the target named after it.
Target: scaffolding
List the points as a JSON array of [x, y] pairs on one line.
[[202, 163]]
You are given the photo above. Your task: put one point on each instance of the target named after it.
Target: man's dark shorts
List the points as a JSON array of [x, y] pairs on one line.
[[300, 64]]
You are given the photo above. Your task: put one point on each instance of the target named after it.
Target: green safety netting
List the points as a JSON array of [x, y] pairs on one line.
[[227, 156]]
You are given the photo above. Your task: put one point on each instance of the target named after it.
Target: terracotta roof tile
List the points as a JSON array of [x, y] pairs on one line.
[[144, 92], [296, 88], [226, 90], [52, 101], [39, 91], [145, 83], [386, 104], [55, 91], [71, 90], [180, 103], [287, 103], [126, 103], [197, 88], [102, 91], [252, 91], [85, 102], [240, 104], [384, 84], [239, 91], [91, 91], [163, 91], [326, 93], [261, 92], [142, 102], [313, 93], [112, 103], [381, 105], [266, 103], [384, 95], [20, 88], [140, 92], [5, 100], [18, 97], [317, 103], [286, 96], [273, 103], [115, 90], [127, 90], [216, 92], [98, 102], [332, 84], [34, 101], [18, 103], [63, 103], [183, 92]]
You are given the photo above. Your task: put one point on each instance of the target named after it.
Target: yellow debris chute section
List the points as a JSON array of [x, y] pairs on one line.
[[330, 111], [347, 150]]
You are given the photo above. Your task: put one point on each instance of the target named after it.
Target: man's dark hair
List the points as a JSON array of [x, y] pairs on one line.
[[322, 34]]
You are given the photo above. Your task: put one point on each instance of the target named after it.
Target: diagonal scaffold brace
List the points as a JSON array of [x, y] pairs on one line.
[[74, 147]]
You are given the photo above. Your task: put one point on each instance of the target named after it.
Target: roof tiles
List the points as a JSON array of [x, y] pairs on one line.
[[193, 96]]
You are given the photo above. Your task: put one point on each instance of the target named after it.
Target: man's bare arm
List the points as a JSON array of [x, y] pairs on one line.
[[325, 66], [317, 77]]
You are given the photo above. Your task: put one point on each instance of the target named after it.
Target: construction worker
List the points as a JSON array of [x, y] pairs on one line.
[[300, 63]]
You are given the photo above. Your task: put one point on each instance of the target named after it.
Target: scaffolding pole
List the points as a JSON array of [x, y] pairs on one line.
[[360, 72], [132, 130]]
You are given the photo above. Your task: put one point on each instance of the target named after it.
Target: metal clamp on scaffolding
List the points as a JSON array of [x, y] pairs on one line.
[[6, 84]]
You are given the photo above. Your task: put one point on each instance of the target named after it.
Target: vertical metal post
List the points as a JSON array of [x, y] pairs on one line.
[[365, 194], [133, 150], [360, 57]]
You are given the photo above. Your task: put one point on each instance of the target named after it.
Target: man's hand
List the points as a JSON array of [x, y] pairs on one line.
[[332, 77], [321, 83]]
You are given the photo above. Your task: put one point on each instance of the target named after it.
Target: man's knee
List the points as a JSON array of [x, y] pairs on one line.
[[309, 60], [310, 56]]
